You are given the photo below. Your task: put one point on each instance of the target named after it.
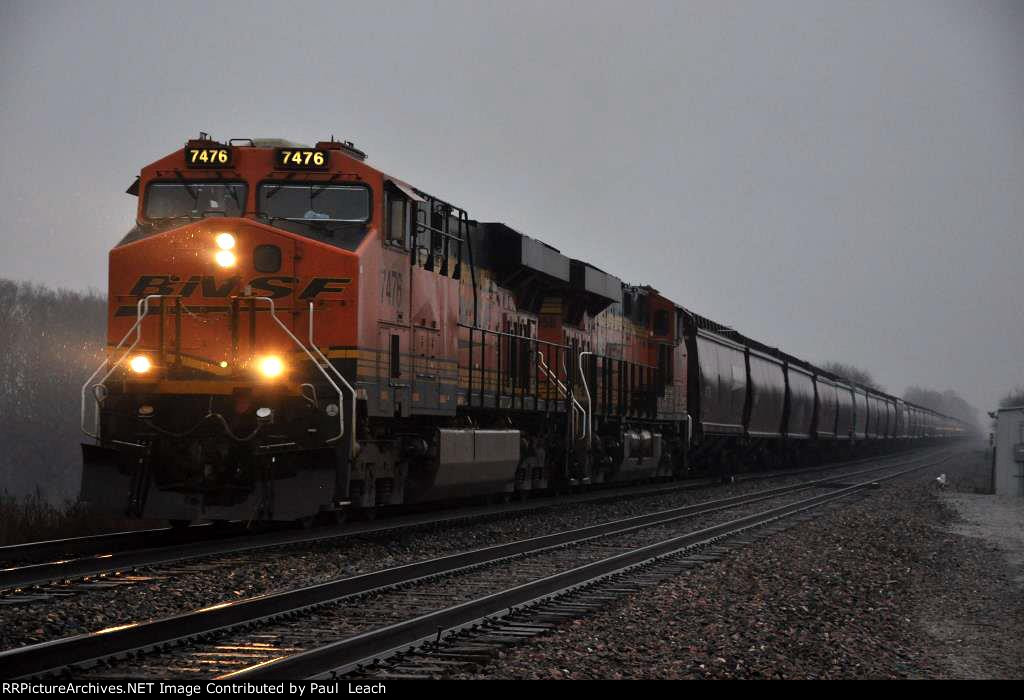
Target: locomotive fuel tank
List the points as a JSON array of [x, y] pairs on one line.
[[467, 462]]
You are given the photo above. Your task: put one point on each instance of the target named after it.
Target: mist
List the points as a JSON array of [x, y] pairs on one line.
[[842, 179]]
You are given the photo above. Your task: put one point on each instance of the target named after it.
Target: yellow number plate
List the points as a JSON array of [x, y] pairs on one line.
[[208, 157], [301, 159]]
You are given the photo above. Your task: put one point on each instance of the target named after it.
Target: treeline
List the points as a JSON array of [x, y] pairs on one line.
[[1013, 399], [50, 341], [947, 402], [852, 374]]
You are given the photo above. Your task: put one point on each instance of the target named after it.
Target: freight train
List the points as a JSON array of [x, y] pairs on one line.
[[294, 332]]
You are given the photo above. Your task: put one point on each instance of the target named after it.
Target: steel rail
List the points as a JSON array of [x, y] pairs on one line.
[[52, 656], [101, 543], [77, 558], [351, 652], [115, 553]]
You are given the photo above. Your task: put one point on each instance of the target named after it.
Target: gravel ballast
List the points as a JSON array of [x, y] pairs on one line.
[[203, 582], [882, 588]]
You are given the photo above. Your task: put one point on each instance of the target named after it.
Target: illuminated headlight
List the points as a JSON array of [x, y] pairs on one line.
[[140, 364], [225, 241], [225, 258], [146, 411], [264, 413], [271, 367]]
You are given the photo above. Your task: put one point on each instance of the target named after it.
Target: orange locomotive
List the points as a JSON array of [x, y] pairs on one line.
[[293, 332]]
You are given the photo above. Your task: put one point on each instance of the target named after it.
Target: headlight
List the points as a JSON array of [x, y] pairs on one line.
[[225, 258], [271, 367], [225, 241], [140, 364]]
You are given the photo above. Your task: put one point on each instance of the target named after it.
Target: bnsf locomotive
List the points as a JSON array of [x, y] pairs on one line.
[[294, 332]]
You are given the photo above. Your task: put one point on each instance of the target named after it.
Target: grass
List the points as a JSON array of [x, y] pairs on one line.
[[32, 518]]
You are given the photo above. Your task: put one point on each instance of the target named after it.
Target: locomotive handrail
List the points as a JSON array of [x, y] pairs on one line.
[[341, 406], [589, 416], [283, 327], [576, 406], [565, 371], [428, 227], [142, 310], [538, 341]]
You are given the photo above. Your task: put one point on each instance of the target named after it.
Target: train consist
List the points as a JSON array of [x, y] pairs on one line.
[[294, 332]]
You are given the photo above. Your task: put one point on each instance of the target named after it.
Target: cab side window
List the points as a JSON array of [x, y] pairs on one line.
[[398, 219]]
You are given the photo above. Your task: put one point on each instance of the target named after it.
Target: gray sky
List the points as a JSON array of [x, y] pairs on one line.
[[842, 179]]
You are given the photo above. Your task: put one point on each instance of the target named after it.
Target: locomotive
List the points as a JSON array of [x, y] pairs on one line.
[[294, 332]]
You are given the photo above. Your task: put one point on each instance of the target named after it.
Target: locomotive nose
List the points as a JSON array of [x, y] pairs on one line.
[[230, 298], [217, 299]]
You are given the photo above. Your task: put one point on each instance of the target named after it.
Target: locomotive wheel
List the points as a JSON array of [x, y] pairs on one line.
[[305, 522]]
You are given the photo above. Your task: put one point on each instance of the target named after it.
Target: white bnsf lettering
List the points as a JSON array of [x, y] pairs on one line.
[[210, 287]]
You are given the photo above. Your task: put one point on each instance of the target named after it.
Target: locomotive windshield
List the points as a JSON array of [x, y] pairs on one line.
[[174, 200], [315, 202], [334, 214]]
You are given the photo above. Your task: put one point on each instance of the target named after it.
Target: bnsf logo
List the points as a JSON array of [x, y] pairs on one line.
[[208, 286]]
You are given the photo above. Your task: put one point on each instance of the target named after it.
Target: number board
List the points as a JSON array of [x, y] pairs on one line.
[[198, 157], [301, 159]]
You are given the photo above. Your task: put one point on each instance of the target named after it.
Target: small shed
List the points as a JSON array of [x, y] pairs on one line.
[[1008, 460]]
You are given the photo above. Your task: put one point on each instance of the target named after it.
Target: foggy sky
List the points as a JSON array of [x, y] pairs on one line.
[[841, 179]]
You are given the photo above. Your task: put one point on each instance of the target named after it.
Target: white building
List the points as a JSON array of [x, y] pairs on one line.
[[1009, 456]]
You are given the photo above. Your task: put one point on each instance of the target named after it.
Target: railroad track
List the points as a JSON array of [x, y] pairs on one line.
[[40, 552], [110, 561], [338, 625], [466, 647]]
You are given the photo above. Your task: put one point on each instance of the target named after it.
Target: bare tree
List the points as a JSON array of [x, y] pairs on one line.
[[1013, 399], [852, 374], [51, 340], [946, 402]]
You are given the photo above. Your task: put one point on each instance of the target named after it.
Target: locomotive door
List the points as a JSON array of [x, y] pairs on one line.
[[394, 342], [395, 370], [426, 394], [426, 341]]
